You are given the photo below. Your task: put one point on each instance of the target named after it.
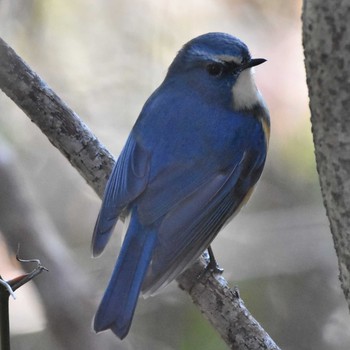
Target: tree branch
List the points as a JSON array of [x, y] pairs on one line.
[[57, 121], [326, 39], [222, 306]]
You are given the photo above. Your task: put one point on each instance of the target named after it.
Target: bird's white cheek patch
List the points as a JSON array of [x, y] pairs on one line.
[[245, 93]]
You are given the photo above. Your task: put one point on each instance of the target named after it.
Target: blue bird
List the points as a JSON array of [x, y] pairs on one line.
[[190, 163]]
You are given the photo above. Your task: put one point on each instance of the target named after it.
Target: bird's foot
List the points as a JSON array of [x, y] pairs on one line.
[[213, 266]]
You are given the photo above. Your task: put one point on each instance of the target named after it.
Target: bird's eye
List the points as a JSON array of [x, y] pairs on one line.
[[215, 69], [234, 65]]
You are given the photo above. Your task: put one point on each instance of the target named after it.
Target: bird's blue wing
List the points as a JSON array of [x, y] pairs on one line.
[[190, 225], [128, 179], [169, 187]]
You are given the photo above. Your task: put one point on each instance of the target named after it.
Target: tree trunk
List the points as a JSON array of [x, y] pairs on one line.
[[326, 39]]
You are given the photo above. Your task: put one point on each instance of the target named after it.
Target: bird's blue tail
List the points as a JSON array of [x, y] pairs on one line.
[[119, 301]]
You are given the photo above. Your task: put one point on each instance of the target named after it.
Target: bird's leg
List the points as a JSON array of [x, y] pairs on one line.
[[213, 265]]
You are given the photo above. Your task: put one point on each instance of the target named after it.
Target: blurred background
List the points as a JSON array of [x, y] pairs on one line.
[[104, 58]]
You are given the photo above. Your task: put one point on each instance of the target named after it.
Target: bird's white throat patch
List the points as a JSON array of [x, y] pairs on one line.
[[245, 92]]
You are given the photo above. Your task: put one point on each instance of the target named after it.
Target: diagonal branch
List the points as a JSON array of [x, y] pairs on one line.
[[57, 121], [221, 305]]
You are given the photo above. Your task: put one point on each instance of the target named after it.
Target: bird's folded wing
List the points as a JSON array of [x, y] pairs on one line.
[[128, 179], [191, 224]]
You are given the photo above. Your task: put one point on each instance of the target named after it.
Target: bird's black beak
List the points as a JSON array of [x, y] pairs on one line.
[[254, 62]]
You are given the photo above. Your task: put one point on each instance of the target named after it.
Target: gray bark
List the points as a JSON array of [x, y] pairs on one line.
[[326, 39], [222, 306], [56, 120]]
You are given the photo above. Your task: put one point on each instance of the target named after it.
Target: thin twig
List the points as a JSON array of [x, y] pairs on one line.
[[5, 289], [23, 279]]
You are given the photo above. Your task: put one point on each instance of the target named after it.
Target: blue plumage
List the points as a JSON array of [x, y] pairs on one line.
[[190, 162]]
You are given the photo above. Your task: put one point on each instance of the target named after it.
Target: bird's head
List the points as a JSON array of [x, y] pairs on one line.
[[218, 65]]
